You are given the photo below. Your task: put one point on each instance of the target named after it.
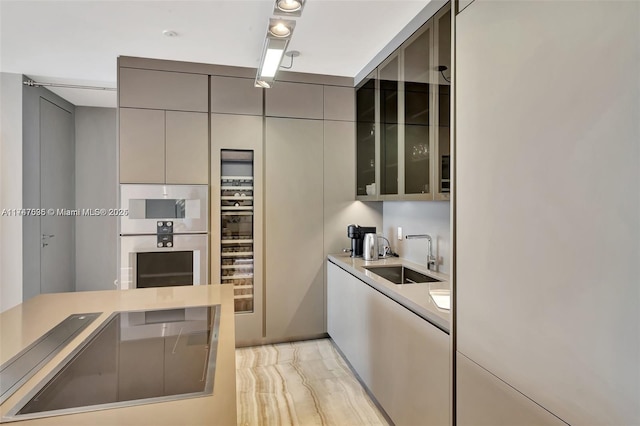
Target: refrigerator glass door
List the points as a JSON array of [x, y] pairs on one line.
[[236, 233]]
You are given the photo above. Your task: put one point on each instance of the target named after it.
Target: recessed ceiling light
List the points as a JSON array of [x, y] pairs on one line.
[[280, 30], [169, 33], [289, 5]]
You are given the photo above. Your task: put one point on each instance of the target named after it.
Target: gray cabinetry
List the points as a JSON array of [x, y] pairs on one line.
[[568, 339], [402, 359], [484, 399], [418, 132], [367, 139], [339, 103], [294, 228], [442, 111], [140, 88], [295, 100], [403, 119], [239, 132], [231, 95], [163, 146], [187, 147], [141, 146], [389, 128]]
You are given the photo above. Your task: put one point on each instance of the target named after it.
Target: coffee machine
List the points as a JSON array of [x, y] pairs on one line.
[[357, 233]]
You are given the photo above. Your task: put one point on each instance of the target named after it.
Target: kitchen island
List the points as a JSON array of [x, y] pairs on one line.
[[25, 323]]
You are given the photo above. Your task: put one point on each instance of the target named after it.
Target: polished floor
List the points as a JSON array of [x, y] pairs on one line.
[[301, 383]]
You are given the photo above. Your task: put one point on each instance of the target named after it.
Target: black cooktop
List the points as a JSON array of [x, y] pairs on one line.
[[132, 358]]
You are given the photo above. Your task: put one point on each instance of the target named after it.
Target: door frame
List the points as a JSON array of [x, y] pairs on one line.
[[31, 228]]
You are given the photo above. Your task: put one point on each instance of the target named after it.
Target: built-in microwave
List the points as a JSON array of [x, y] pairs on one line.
[[184, 206]]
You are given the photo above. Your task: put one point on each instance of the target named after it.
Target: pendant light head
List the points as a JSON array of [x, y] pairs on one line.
[[288, 7], [280, 30], [278, 35]]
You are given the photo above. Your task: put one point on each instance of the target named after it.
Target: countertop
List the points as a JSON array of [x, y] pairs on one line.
[[23, 324], [414, 297]]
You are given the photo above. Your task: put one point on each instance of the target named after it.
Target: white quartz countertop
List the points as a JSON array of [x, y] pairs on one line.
[[414, 297]]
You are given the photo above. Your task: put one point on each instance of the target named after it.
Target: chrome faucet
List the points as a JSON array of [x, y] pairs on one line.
[[431, 260]]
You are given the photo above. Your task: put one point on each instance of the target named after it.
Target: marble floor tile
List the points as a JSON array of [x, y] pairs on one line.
[[300, 383]]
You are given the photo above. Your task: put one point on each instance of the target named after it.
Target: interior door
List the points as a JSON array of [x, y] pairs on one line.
[[57, 183]]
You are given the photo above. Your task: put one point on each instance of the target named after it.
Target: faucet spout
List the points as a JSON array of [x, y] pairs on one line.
[[431, 260]]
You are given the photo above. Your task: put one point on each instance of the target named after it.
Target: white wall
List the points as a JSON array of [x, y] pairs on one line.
[[548, 202], [419, 217], [96, 187], [10, 189]]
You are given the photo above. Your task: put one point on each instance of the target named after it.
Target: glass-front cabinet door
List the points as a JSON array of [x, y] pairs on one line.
[[403, 142], [366, 138], [389, 74], [443, 59], [418, 109]]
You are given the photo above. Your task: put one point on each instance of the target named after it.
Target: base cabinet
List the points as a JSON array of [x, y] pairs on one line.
[[400, 357]]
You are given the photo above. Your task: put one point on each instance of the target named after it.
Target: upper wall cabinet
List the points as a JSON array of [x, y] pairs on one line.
[[186, 147], [164, 127], [389, 127], [403, 119], [140, 88], [366, 138], [418, 132], [163, 146], [339, 103], [295, 100], [141, 146], [443, 112], [232, 95]]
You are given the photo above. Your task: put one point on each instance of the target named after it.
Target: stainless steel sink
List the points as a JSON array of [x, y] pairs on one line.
[[401, 274]]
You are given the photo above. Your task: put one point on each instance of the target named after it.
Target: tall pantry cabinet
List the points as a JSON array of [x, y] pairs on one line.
[[309, 193], [294, 212], [547, 231]]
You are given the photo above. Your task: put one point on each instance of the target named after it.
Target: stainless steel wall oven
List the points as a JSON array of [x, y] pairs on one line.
[[164, 240]]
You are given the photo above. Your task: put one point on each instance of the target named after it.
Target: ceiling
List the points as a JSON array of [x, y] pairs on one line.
[[77, 42]]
